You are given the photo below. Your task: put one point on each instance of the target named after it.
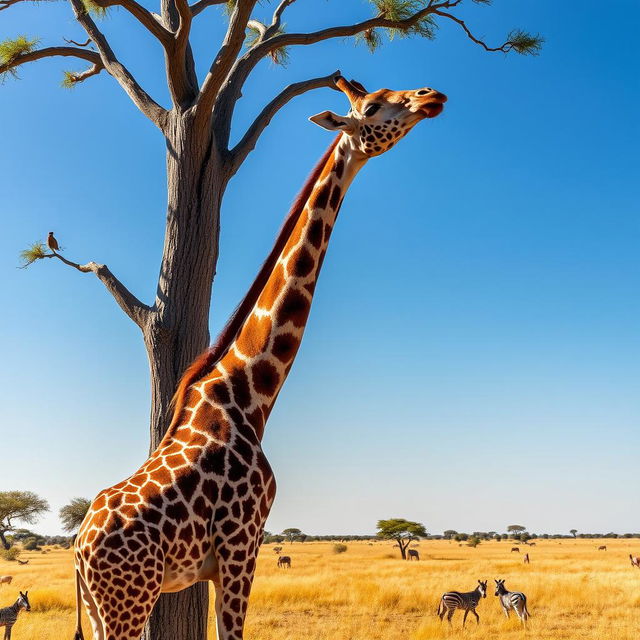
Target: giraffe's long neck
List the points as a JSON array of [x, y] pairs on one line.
[[257, 361]]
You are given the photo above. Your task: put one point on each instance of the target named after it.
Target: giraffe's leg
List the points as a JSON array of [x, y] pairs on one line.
[[92, 612], [236, 568]]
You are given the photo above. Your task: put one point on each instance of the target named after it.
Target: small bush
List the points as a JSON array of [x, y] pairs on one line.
[[10, 554], [31, 544], [339, 548]]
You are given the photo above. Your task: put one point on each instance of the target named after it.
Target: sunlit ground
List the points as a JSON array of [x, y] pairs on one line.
[[368, 593]]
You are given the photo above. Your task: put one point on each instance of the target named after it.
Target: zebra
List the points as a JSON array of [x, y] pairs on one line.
[[468, 601], [512, 600], [9, 615], [635, 561], [413, 554], [284, 561]]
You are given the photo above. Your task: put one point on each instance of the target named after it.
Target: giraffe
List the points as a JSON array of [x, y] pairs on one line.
[[196, 509]]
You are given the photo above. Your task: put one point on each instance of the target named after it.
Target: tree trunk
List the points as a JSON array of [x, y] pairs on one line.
[[178, 329], [4, 542]]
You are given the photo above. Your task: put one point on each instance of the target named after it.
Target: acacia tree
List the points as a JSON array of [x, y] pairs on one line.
[[200, 163], [73, 514], [402, 531], [19, 506]]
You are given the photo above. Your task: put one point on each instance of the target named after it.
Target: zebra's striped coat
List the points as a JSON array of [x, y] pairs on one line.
[[9, 615], [468, 601], [515, 600]]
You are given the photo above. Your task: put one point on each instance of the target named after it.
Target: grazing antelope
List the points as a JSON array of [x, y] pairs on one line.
[[23, 562], [526, 558], [515, 600], [602, 547], [516, 549], [413, 554], [9, 615], [468, 601], [635, 561], [532, 544], [284, 561], [6, 579]]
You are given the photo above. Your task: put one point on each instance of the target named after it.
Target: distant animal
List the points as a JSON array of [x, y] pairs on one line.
[[532, 544], [635, 561], [9, 615], [413, 554], [515, 600], [52, 243], [6, 579], [516, 549], [602, 547], [468, 601], [277, 549], [23, 562], [284, 561], [526, 558]]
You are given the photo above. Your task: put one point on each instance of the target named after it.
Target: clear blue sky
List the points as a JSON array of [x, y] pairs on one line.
[[481, 287]]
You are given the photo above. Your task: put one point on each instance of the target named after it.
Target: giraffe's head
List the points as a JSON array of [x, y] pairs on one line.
[[376, 121]]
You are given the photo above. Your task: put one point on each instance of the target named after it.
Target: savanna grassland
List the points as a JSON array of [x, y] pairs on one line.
[[368, 593]]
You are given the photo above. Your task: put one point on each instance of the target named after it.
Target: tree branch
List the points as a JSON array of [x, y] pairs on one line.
[[227, 54], [49, 52], [201, 5], [276, 21], [144, 17], [506, 47], [248, 142], [115, 68], [136, 310]]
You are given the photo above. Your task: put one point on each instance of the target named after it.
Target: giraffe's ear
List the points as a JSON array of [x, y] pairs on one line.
[[333, 122]]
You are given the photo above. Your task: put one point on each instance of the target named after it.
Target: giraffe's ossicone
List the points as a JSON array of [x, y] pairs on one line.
[[196, 508]]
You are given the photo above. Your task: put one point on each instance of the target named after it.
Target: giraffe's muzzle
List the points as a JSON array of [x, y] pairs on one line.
[[433, 104]]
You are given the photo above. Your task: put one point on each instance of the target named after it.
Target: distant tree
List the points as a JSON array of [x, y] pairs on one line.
[[449, 533], [402, 531], [73, 514], [573, 532], [473, 541], [292, 534], [23, 506], [516, 528]]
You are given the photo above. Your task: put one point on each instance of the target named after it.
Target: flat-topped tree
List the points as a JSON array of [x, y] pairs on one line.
[[402, 531], [19, 506], [196, 125]]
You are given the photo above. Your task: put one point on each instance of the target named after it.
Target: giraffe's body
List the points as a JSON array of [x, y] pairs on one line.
[[196, 508]]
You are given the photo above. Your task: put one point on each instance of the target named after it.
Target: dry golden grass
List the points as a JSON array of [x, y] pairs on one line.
[[574, 591]]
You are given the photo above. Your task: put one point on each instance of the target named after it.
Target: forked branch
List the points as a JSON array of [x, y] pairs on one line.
[[201, 5], [250, 138], [51, 52]]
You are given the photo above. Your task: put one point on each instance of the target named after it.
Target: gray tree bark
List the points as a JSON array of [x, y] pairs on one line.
[[178, 326]]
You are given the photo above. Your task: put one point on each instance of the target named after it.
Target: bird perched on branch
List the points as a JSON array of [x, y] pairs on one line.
[[52, 243]]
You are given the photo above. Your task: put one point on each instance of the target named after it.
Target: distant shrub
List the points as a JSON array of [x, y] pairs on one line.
[[474, 541], [339, 548], [10, 554], [31, 544]]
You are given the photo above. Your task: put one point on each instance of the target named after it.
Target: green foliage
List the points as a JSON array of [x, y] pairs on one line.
[[339, 548], [93, 7], [526, 44], [473, 541], [69, 80], [25, 506], [398, 10], [31, 544], [400, 529], [11, 49], [73, 514], [36, 251], [292, 534], [278, 56], [10, 554]]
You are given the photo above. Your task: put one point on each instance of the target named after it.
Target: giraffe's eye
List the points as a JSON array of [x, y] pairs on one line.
[[371, 109]]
